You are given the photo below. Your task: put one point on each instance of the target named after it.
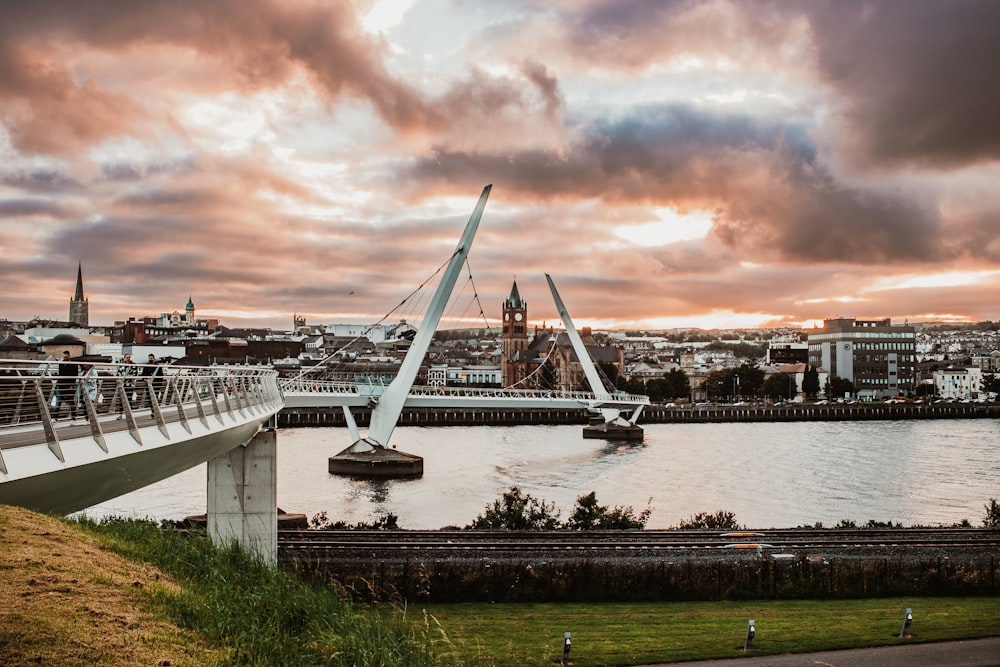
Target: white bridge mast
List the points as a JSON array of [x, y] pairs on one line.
[[386, 413], [612, 416]]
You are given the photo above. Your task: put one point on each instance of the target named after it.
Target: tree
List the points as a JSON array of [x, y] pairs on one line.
[[840, 387], [635, 386], [719, 384], [679, 384], [546, 377], [516, 510], [607, 370], [810, 382], [778, 386], [753, 351], [749, 380], [992, 517], [588, 515], [991, 383]]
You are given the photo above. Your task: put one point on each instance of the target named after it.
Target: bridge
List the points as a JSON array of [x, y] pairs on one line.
[[124, 431], [117, 432], [369, 455]]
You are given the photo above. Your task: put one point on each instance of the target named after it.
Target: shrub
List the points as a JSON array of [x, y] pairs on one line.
[[721, 520], [588, 515], [516, 510], [322, 522]]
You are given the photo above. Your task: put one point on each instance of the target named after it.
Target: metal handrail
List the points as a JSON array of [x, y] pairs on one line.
[[31, 392], [340, 388]]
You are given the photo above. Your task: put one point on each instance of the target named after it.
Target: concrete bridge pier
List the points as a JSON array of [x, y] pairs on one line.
[[242, 497]]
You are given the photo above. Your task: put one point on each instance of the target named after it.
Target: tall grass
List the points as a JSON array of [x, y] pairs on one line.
[[257, 615]]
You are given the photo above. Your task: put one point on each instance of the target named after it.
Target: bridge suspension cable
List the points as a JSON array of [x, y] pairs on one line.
[[412, 303]]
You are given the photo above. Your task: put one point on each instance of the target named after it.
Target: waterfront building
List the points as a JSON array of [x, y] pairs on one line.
[[376, 333], [958, 383], [797, 374], [79, 306], [786, 352], [876, 356], [476, 376]]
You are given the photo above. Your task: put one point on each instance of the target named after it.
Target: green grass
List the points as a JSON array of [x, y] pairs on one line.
[[635, 634], [259, 616]]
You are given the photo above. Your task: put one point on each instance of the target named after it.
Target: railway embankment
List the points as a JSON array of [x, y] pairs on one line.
[[638, 566], [652, 414]]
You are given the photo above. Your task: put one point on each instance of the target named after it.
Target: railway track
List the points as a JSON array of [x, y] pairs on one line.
[[396, 545]]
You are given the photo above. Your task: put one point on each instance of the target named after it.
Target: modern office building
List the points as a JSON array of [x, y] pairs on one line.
[[877, 357]]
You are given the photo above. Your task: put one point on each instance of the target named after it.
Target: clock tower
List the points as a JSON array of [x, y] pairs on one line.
[[514, 338]]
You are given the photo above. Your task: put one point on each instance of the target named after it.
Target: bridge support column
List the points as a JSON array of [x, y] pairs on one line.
[[242, 497]]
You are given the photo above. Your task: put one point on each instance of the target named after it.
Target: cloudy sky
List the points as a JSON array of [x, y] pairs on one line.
[[670, 163]]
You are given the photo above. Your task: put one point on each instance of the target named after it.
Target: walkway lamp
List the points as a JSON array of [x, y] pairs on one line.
[[751, 630], [566, 645], [907, 621]]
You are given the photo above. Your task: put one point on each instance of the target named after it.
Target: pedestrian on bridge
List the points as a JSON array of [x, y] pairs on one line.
[[88, 381], [66, 385], [154, 372], [127, 371]]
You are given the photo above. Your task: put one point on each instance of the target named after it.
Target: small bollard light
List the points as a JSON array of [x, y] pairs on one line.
[[566, 644], [907, 621], [751, 630]]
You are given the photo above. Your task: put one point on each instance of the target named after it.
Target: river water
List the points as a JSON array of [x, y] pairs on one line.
[[771, 475]]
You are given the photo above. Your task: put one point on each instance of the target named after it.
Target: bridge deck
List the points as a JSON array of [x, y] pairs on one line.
[[130, 431]]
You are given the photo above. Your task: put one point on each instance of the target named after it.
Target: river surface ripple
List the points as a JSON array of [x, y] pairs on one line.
[[771, 475]]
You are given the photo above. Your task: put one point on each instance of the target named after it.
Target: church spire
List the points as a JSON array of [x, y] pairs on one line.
[[79, 309], [78, 295], [514, 300]]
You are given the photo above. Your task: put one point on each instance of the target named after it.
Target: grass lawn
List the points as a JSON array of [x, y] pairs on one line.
[[635, 634]]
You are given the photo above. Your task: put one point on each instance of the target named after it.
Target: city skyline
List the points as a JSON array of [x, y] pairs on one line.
[[671, 164]]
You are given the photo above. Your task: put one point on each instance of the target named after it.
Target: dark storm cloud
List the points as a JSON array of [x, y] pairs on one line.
[[121, 172], [15, 208], [775, 198], [41, 182], [917, 79], [253, 44]]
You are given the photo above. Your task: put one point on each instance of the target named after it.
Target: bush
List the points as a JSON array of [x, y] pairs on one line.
[[322, 522], [588, 515], [721, 520], [516, 510]]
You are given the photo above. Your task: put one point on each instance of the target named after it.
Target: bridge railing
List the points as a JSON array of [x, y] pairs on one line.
[[340, 388], [35, 400]]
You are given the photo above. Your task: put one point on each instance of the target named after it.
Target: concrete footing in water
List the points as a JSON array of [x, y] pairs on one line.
[[608, 431], [378, 462]]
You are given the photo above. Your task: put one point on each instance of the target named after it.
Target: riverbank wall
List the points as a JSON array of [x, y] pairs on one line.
[[653, 414]]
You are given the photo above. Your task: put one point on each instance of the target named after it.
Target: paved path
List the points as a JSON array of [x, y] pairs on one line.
[[970, 653]]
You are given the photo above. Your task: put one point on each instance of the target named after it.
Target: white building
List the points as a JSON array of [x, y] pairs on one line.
[[376, 333], [475, 375], [958, 383]]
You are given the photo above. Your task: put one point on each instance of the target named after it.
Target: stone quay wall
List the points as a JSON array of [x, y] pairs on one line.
[[652, 414]]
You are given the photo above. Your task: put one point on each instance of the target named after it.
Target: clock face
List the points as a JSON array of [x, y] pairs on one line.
[[506, 316], [517, 316]]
